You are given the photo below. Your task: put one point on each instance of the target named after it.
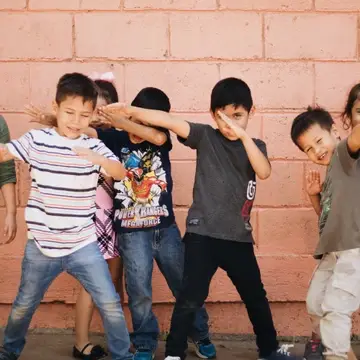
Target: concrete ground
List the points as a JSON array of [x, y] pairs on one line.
[[57, 346]]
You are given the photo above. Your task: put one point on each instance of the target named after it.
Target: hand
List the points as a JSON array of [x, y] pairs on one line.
[[106, 117], [89, 155], [238, 130], [39, 116], [10, 228], [3, 152], [101, 120], [116, 108], [313, 185], [155, 190]]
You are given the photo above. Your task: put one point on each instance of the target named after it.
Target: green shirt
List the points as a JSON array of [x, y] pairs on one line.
[[7, 169], [339, 221]]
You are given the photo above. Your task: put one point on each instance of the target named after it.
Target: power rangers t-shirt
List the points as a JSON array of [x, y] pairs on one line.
[[143, 199]]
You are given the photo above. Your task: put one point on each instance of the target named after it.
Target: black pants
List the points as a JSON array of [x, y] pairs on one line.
[[203, 256]]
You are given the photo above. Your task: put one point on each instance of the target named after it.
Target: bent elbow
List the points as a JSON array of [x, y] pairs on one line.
[[264, 175], [160, 139]]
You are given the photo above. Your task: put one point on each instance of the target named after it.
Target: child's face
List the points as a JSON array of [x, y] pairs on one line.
[[319, 144], [73, 116], [355, 113], [238, 114]]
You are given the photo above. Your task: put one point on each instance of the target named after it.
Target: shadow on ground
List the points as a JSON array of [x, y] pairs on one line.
[[59, 347]]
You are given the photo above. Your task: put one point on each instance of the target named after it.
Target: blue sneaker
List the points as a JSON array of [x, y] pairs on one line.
[[281, 354], [205, 349], [144, 354]]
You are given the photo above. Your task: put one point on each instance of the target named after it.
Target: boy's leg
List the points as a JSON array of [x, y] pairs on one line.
[[89, 267], [342, 299], [199, 268], [137, 254], [239, 261], [314, 348], [38, 272], [170, 259]]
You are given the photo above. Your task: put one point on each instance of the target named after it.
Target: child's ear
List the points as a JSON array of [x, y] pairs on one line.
[[252, 111], [55, 106], [335, 131]]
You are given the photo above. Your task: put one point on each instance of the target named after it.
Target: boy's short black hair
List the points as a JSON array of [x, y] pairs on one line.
[[304, 121], [231, 91], [107, 91], [76, 84], [152, 98]]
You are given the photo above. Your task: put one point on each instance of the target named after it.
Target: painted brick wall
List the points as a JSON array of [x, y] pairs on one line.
[[291, 52]]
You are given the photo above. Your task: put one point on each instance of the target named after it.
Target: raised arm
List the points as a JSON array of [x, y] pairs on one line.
[[48, 119], [313, 188], [147, 133], [153, 117], [258, 160]]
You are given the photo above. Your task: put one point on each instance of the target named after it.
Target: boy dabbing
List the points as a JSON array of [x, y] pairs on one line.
[[334, 293], [146, 228], [64, 167], [219, 233]]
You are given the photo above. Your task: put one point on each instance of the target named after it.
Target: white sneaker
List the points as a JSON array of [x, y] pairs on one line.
[[172, 358]]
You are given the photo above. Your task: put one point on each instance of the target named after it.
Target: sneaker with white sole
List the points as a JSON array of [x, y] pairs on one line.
[[282, 353]]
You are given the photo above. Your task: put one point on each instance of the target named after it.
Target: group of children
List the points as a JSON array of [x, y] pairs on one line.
[[101, 191]]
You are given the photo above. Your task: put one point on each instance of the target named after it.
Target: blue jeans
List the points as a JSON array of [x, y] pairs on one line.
[[138, 250], [89, 267]]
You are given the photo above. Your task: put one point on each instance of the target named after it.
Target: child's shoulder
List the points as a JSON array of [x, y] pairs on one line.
[[40, 133]]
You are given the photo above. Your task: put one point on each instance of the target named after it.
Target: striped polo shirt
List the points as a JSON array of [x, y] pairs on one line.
[[61, 207]]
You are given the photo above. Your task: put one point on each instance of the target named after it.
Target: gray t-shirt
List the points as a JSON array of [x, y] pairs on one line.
[[339, 221], [225, 185]]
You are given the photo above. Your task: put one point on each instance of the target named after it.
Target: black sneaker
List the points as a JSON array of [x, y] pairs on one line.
[[4, 355], [281, 354], [314, 350]]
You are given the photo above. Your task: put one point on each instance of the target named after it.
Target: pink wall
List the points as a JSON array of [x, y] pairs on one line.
[[291, 52]]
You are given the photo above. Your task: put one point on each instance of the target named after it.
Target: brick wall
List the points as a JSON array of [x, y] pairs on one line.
[[291, 52]]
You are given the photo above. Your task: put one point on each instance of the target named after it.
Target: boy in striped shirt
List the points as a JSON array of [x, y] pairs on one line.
[[64, 168]]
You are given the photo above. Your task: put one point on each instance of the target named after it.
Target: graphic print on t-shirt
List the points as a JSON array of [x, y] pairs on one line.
[[246, 209], [141, 191]]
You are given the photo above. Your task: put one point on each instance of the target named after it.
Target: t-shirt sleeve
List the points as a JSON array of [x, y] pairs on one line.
[[22, 147], [262, 147], [168, 143], [195, 135], [112, 138], [347, 160], [103, 150], [7, 169]]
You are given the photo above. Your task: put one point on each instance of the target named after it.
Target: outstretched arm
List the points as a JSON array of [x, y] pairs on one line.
[[147, 133], [48, 119], [112, 168], [153, 117]]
